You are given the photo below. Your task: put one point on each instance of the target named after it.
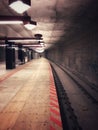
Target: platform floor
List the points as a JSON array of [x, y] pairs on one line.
[[28, 99]]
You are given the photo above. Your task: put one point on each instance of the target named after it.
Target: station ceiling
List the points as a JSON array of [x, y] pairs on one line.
[[57, 20]]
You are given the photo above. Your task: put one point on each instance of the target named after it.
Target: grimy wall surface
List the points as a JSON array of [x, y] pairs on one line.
[[78, 48]]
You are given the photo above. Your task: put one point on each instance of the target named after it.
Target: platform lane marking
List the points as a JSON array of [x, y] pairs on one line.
[[55, 117], [53, 91], [55, 111], [51, 128], [52, 98], [58, 122], [53, 88], [54, 104], [53, 94]]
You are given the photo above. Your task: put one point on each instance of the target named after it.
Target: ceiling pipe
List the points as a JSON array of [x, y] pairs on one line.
[[25, 20], [14, 19], [19, 38]]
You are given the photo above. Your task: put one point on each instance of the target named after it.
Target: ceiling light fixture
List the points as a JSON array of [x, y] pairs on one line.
[[30, 25], [14, 19], [33, 45], [39, 49], [23, 40], [38, 36], [42, 43], [19, 6]]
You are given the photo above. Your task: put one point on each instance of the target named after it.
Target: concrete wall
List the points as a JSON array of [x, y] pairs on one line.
[[77, 50], [79, 55]]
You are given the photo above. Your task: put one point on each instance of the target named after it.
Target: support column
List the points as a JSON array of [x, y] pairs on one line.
[[21, 55], [28, 54], [31, 54], [10, 55]]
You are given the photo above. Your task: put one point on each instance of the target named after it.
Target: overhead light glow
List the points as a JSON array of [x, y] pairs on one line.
[[11, 22], [2, 45], [39, 49], [41, 43], [19, 6], [33, 45], [30, 25], [24, 41]]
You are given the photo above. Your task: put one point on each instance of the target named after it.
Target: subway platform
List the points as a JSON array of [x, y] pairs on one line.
[[28, 98]]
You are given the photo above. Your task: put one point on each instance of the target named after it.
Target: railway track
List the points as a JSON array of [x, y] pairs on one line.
[[68, 116], [86, 88], [78, 101]]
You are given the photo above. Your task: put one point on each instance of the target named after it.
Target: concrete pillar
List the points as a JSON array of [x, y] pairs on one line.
[[10, 56], [21, 54], [31, 54], [28, 56]]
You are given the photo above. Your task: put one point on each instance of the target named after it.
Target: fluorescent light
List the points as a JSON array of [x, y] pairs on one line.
[[30, 25], [11, 22], [2, 45], [24, 41], [41, 43], [19, 6], [33, 45], [39, 49]]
